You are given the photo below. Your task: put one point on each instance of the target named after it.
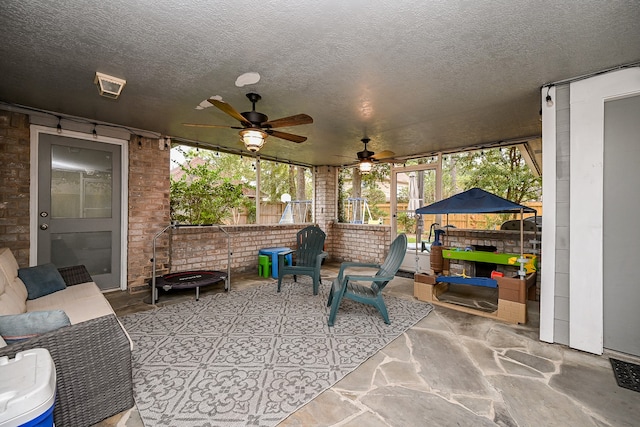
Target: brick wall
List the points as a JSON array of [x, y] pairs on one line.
[[149, 189], [360, 242], [205, 248], [14, 184], [504, 241]]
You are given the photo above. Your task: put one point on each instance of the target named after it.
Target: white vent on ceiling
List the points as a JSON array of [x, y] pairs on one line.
[[109, 86]]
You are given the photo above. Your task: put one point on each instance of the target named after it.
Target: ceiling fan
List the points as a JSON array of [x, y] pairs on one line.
[[257, 126], [367, 158]]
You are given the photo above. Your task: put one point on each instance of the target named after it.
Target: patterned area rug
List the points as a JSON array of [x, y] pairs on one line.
[[252, 357]]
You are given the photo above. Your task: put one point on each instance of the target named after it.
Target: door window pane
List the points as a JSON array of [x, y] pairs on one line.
[[81, 182], [91, 249]]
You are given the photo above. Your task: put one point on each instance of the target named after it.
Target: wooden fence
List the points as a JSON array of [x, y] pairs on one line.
[[272, 212], [467, 221]]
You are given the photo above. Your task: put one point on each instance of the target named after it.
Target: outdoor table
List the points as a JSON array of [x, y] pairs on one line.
[[273, 252]]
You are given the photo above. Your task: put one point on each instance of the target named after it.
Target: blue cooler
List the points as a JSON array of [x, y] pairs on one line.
[[27, 389]]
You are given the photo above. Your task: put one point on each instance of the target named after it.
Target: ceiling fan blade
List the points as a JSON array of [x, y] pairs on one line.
[[392, 160], [298, 119], [383, 155], [199, 125], [230, 111], [288, 136]]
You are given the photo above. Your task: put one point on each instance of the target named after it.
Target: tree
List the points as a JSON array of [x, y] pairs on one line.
[[280, 178], [237, 170], [374, 197], [203, 196], [406, 223], [276, 178], [343, 175], [300, 183], [501, 171], [361, 184]]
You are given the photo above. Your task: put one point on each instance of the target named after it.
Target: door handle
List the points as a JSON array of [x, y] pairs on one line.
[[44, 226]]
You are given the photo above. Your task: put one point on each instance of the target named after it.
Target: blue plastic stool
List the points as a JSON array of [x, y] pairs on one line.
[[273, 253]]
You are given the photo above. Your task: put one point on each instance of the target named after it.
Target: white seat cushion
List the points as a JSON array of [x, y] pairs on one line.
[[80, 302], [11, 303], [9, 276]]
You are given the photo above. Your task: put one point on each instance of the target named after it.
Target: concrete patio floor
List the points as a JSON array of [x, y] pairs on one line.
[[452, 369]]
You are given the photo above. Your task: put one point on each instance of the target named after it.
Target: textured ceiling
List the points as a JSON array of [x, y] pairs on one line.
[[414, 76]]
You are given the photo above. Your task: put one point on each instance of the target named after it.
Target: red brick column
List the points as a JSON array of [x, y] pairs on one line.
[[149, 189], [14, 184], [326, 202]]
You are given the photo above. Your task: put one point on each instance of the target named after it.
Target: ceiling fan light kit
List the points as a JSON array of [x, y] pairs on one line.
[[253, 139], [367, 157], [365, 166], [257, 126]]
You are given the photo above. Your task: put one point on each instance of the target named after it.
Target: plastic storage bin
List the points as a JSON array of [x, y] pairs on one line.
[[27, 389]]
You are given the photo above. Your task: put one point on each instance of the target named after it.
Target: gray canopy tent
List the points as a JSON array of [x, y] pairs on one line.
[[477, 200]]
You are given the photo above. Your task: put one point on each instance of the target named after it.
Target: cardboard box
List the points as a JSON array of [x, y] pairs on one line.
[[511, 311], [423, 291], [427, 292], [424, 278]]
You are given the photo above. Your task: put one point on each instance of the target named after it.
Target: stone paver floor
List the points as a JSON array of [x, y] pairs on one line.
[[456, 369]]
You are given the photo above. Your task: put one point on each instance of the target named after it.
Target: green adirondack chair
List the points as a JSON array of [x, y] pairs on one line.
[[351, 286], [307, 258]]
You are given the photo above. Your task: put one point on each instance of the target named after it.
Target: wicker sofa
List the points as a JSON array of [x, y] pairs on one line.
[[92, 355]]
